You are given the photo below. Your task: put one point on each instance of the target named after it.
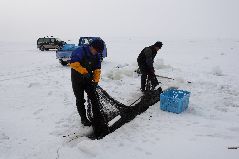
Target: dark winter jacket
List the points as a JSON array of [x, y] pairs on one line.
[[84, 62], [146, 57]]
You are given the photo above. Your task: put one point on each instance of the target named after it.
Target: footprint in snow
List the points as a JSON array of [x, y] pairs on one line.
[[234, 129], [34, 84], [217, 71], [148, 153], [49, 93], [3, 136], [38, 111], [139, 148], [121, 145]]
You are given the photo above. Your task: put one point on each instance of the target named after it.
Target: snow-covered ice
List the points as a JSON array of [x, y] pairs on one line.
[[37, 105]]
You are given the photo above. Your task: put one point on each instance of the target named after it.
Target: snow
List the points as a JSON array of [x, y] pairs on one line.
[[37, 105]]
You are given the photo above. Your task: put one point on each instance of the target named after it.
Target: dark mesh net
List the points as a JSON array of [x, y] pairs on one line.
[[116, 114]]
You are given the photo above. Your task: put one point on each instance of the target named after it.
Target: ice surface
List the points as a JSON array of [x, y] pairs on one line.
[[37, 105]]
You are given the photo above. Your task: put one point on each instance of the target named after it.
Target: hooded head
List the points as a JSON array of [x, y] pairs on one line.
[[158, 45], [97, 46]]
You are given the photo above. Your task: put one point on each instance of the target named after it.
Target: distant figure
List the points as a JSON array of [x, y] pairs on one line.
[[145, 61], [85, 74]]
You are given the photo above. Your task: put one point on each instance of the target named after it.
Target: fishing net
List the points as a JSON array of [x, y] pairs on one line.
[[116, 114]]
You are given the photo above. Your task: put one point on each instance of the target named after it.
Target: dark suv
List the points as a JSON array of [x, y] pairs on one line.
[[47, 43]]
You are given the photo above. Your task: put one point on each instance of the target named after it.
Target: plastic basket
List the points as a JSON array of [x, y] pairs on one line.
[[174, 100]]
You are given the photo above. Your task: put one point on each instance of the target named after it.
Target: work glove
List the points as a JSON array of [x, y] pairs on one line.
[[94, 83]]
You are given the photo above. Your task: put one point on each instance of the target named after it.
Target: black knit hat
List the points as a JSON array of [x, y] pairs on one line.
[[158, 44], [98, 44]]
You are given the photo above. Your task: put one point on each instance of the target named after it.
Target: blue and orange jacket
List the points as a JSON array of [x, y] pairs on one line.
[[84, 62]]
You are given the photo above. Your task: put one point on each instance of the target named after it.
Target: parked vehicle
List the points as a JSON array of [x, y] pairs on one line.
[[47, 43], [64, 53]]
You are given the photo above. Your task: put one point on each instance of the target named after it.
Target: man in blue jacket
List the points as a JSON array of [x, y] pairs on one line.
[[85, 74]]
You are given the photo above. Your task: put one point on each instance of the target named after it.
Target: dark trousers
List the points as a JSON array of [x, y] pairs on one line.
[[145, 73], [79, 85]]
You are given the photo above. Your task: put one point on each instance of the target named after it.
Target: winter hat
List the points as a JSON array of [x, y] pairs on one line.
[[158, 44], [98, 45]]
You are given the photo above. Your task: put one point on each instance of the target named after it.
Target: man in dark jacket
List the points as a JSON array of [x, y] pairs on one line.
[[85, 74], [145, 61]]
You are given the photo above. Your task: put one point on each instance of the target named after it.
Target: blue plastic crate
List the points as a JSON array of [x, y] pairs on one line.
[[174, 100]]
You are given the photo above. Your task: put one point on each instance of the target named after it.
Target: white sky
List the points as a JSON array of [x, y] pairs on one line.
[[30, 19]]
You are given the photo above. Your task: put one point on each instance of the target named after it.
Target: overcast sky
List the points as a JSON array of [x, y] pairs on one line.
[[29, 19]]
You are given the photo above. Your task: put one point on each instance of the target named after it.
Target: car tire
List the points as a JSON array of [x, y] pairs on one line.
[[58, 48], [63, 63], [42, 48]]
